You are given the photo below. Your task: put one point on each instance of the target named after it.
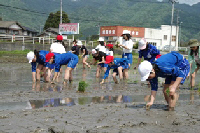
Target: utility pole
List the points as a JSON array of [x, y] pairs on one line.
[[180, 34], [177, 30], [60, 11], [173, 2]]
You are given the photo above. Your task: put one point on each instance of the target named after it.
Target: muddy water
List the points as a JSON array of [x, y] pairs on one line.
[[56, 102], [42, 107]]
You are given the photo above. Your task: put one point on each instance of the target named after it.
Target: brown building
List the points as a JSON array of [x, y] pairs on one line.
[[114, 32], [14, 28]]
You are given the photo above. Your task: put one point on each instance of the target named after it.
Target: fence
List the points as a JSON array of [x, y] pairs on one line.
[[35, 40]]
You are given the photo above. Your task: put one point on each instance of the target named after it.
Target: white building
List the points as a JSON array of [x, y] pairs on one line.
[[161, 37], [158, 37]]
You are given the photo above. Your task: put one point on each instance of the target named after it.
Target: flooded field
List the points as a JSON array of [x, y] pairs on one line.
[[43, 107]]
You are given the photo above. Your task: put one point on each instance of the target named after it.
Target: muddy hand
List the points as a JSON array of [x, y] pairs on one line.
[[53, 82], [172, 90], [102, 82]]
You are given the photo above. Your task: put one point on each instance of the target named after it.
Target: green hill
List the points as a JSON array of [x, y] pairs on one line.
[[90, 13]]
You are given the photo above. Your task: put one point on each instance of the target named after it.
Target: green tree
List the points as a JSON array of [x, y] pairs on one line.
[[53, 20]]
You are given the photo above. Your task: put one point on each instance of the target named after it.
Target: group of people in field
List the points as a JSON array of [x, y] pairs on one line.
[[174, 67]]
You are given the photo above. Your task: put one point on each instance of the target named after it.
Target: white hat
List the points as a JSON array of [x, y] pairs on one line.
[[79, 43], [94, 51], [126, 32], [142, 44], [101, 39], [144, 69], [30, 56]]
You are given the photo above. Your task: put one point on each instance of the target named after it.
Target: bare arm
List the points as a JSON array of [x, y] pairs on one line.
[[93, 62], [172, 88], [55, 76], [83, 52], [103, 60], [139, 61], [120, 45]]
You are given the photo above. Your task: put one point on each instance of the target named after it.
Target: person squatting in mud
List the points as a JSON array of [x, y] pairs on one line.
[[38, 57], [56, 48], [99, 56], [173, 67], [68, 59], [84, 54], [147, 51], [118, 65]]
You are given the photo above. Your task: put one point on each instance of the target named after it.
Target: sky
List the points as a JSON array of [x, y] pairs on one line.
[[190, 2]]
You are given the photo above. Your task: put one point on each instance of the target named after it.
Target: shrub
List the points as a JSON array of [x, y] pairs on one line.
[[135, 46]]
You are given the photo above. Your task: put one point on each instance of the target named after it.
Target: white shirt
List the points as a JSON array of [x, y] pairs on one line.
[[101, 48], [129, 45], [57, 48], [108, 52]]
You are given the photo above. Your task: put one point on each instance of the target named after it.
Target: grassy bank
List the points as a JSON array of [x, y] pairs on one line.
[[13, 56]]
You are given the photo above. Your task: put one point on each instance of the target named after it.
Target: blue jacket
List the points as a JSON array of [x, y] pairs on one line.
[[63, 59], [41, 60], [172, 64], [118, 62], [149, 54]]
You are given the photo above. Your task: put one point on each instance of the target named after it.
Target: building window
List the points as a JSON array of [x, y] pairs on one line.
[[103, 32], [152, 43], [16, 32], [137, 33], [173, 38], [2, 31], [165, 37]]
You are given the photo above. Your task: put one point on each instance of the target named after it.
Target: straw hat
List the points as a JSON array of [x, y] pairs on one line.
[[193, 42]]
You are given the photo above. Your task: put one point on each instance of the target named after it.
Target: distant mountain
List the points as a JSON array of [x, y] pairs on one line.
[[189, 2], [92, 13]]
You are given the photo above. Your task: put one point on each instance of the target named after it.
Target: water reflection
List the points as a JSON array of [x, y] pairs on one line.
[[38, 86], [55, 102]]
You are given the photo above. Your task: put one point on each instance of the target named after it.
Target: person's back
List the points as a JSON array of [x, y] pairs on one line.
[[41, 58], [149, 53], [170, 59], [63, 59], [86, 51], [101, 48], [75, 50], [57, 47]]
